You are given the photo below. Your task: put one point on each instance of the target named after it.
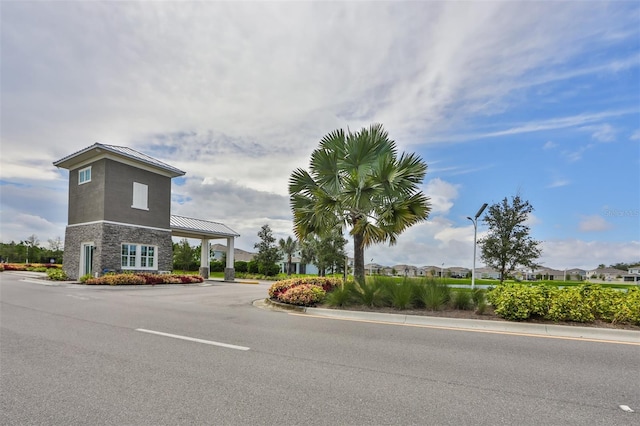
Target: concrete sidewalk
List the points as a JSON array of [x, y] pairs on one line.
[[487, 326]]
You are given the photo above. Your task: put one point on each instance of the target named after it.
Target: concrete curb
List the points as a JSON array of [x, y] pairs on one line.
[[549, 330]]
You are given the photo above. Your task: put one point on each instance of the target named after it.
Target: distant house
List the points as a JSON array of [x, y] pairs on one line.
[[458, 272], [551, 274], [576, 274], [297, 267], [486, 273], [405, 270], [606, 274], [219, 252], [119, 216]]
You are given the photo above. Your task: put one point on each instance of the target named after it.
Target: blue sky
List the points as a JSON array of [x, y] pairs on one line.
[[536, 98]]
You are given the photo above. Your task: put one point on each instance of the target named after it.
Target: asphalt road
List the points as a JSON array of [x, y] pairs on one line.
[[76, 355]]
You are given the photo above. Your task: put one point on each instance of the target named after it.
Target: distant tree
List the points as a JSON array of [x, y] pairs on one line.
[[625, 266], [326, 253], [601, 266], [31, 243], [358, 181], [268, 254], [184, 256], [508, 243], [288, 247]]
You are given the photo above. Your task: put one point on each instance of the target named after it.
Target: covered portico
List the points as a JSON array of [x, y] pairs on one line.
[[205, 231]]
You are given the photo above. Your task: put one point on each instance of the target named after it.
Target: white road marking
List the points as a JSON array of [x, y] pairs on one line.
[[193, 339], [78, 297], [626, 408]]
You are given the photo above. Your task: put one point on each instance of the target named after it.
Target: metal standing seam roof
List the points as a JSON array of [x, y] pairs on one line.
[[125, 152], [201, 226]]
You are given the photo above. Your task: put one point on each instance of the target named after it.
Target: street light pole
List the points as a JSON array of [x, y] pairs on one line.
[[475, 237]]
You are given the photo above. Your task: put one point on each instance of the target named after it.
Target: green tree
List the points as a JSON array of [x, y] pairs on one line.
[[268, 254], [288, 247], [358, 182], [325, 252], [508, 243], [184, 256]]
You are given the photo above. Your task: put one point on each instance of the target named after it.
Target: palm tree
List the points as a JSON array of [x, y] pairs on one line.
[[288, 247], [357, 181]]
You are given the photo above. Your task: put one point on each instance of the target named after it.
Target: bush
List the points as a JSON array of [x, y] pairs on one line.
[[303, 295], [252, 267], [462, 300], [569, 304], [142, 278], [280, 287], [368, 293], [340, 296], [268, 270], [431, 294], [55, 274], [399, 294], [216, 266], [519, 302], [241, 266]]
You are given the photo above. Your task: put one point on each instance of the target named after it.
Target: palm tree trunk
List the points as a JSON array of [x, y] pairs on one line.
[[358, 258]]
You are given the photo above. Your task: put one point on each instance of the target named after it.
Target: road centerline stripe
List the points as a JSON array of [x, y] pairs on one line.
[[193, 339]]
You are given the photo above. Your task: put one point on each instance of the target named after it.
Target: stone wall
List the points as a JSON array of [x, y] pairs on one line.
[[108, 239]]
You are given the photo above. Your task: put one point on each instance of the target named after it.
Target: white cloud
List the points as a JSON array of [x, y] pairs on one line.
[[601, 132], [559, 183], [573, 253], [549, 145], [224, 91], [594, 223], [635, 136], [442, 195]]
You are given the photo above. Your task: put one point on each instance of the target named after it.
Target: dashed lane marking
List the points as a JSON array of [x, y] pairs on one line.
[[193, 339]]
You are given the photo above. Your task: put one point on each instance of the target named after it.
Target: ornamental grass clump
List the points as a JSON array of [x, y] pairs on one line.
[[397, 294], [431, 294]]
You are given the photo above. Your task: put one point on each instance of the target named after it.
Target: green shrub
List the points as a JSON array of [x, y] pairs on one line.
[[340, 296], [85, 278], [519, 302], [431, 294], [252, 267], [628, 309], [569, 304], [55, 274], [303, 295], [462, 300], [400, 294], [240, 266], [368, 293], [216, 266]]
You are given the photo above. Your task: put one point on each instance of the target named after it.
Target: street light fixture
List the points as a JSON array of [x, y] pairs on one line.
[[475, 236]]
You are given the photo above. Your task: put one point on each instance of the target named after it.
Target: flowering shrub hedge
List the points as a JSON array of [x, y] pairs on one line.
[[306, 297], [303, 295], [56, 274], [37, 267], [144, 278], [583, 304]]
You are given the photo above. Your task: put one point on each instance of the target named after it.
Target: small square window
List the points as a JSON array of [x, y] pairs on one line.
[[84, 175]]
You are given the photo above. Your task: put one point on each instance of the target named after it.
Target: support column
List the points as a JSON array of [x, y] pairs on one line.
[[204, 258], [229, 271]]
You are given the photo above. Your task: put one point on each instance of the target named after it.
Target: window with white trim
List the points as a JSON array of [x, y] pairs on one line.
[[84, 175], [138, 256], [140, 196]]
